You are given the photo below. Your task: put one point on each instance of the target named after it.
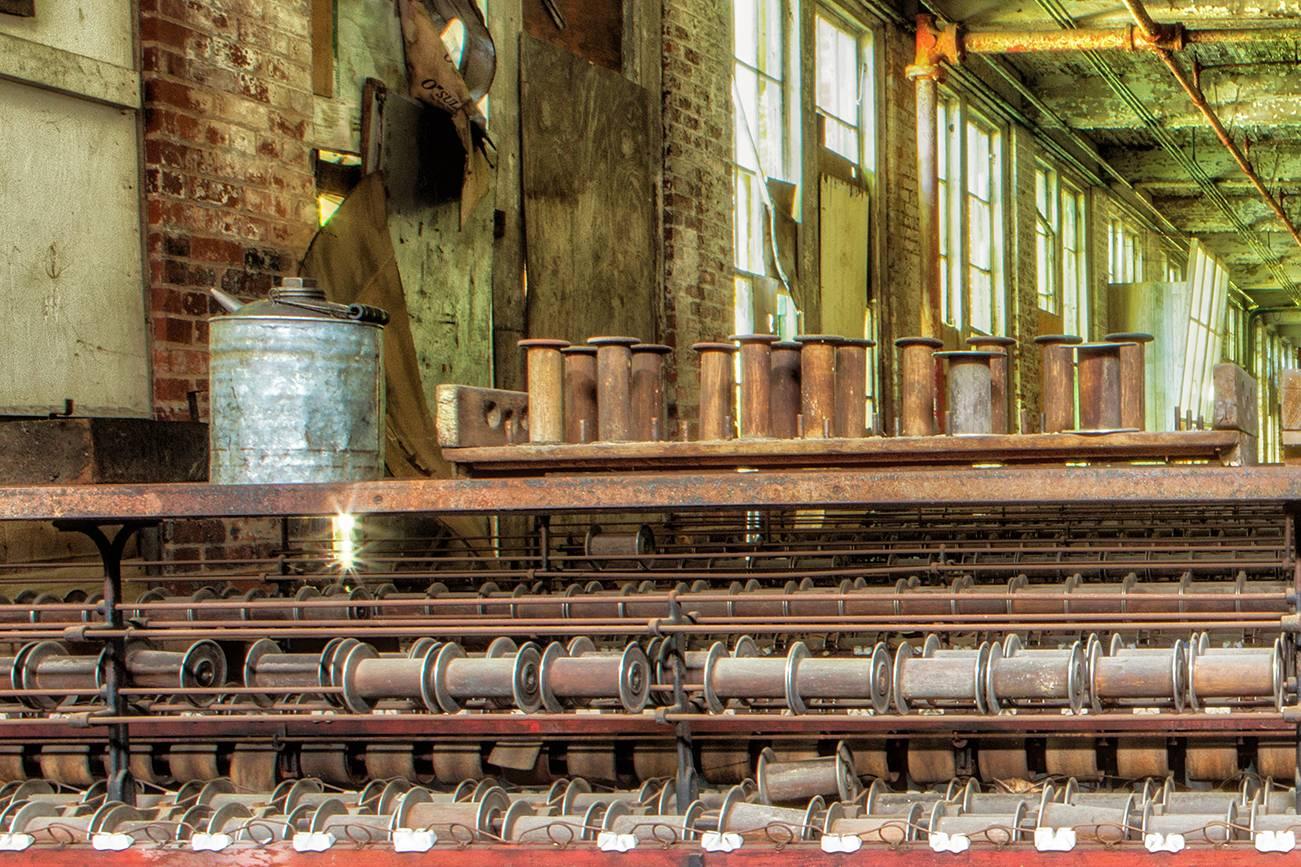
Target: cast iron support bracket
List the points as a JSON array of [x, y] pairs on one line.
[[120, 785], [543, 524], [687, 780]]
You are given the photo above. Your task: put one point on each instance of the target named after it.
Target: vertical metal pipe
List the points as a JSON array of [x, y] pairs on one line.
[[851, 387], [648, 411], [970, 404], [756, 383], [613, 388], [716, 383], [784, 389], [1098, 368], [546, 385], [1057, 381], [1000, 370], [580, 393], [928, 191], [818, 383], [1133, 377], [917, 385]]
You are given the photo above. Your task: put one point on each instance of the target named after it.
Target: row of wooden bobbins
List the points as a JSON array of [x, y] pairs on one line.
[[613, 389], [1111, 379]]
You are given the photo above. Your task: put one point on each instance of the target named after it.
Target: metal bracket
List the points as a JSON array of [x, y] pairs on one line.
[[121, 787], [933, 47]]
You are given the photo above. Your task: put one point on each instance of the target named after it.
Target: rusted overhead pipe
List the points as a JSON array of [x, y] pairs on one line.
[[1151, 30], [955, 43], [951, 45]]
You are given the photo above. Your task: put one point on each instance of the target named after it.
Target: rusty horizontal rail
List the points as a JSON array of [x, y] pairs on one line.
[[846, 488], [243, 726]]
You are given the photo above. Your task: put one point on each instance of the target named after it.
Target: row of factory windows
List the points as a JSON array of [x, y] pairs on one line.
[[972, 168]]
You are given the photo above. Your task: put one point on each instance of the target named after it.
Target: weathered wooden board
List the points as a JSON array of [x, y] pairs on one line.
[[469, 417], [593, 29], [1291, 388], [843, 264], [1236, 407], [71, 282], [98, 29], [95, 451], [367, 44], [588, 198], [446, 268], [900, 452]]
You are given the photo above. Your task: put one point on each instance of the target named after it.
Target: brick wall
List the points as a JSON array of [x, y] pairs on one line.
[[698, 293], [1023, 279], [228, 178], [900, 296]]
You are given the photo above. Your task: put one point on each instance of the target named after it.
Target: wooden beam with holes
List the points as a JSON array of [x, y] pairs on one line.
[[471, 417]]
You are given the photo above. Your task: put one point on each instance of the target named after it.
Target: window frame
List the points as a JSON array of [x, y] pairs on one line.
[[1076, 297], [1124, 251], [955, 122], [867, 124], [1049, 268], [749, 267]]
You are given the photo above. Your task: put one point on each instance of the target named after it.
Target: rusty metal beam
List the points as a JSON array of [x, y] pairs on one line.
[[845, 488], [757, 852], [306, 725]]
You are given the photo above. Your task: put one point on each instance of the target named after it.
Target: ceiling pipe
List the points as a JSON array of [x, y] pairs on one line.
[[1130, 38], [1151, 32]]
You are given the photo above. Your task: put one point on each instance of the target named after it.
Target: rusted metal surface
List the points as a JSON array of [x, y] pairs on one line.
[[784, 390], [917, 385], [818, 384], [1031, 41], [1057, 391], [704, 490], [1133, 377], [342, 725], [648, 410], [1099, 371], [756, 384], [791, 854], [877, 451], [613, 387], [716, 385], [580, 394], [851, 387]]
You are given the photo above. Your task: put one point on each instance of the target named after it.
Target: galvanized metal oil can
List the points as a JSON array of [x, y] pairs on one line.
[[296, 389]]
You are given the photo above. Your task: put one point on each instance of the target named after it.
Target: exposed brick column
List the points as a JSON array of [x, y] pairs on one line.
[[228, 177], [698, 193]]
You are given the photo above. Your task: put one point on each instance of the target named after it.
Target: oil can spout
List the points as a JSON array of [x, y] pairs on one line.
[[229, 302]]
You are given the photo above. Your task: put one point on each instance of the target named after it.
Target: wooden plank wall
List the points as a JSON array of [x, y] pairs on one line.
[[593, 29], [589, 174]]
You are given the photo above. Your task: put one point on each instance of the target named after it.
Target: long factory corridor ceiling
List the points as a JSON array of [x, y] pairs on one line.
[[1255, 88]]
